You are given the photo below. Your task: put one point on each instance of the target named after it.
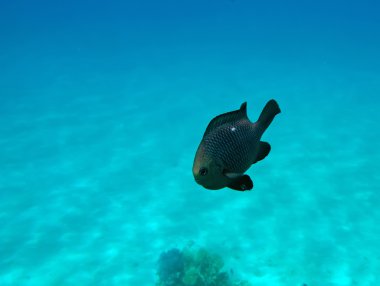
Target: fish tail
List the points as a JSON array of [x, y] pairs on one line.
[[271, 109]]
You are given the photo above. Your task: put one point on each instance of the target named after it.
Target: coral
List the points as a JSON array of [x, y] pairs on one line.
[[206, 264], [171, 268], [191, 277], [193, 267]]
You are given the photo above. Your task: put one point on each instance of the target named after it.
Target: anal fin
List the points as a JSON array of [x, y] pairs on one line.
[[264, 149], [244, 183]]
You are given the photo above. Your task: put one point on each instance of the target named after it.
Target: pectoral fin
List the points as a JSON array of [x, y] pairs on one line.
[[264, 149], [243, 183]]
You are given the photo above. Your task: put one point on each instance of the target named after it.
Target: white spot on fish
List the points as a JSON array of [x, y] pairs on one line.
[[233, 129]]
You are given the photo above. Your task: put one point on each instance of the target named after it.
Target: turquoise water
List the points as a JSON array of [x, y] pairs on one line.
[[104, 104]]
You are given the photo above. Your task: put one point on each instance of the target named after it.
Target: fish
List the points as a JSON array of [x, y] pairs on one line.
[[229, 147]]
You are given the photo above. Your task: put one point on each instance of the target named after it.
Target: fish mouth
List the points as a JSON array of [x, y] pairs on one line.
[[213, 188], [199, 181], [208, 186]]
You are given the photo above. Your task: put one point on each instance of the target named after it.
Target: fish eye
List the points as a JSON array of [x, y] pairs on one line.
[[203, 172]]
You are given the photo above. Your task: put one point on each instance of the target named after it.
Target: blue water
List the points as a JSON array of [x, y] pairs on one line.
[[102, 107]]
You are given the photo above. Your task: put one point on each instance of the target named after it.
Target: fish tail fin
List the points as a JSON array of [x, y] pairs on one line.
[[271, 109]]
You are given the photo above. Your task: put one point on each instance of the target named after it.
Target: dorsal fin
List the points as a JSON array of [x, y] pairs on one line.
[[228, 117]]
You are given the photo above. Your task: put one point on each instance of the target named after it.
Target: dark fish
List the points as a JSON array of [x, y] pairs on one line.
[[230, 145]]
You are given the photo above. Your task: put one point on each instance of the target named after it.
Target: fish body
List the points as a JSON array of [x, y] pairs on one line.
[[230, 145]]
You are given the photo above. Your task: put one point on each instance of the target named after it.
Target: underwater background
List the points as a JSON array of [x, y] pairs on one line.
[[102, 107]]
